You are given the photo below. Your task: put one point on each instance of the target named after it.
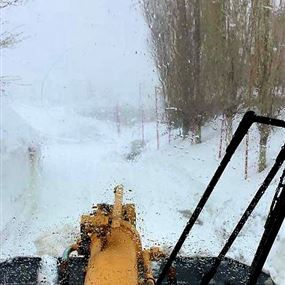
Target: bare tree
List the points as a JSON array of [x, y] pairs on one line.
[[176, 38], [219, 57], [7, 3], [8, 40], [267, 66]]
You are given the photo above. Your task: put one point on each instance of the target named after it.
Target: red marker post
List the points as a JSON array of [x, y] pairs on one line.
[[118, 119], [157, 118], [221, 136]]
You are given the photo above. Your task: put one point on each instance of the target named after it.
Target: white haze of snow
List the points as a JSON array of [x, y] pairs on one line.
[[95, 54], [82, 159], [74, 50], [48, 270]]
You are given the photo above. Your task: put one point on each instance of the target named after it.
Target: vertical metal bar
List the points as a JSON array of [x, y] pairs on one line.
[[118, 119], [141, 109], [270, 176], [142, 113], [246, 156], [273, 225], [157, 119], [241, 131]]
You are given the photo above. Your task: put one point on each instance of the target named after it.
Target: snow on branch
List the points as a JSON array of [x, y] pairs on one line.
[[7, 3]]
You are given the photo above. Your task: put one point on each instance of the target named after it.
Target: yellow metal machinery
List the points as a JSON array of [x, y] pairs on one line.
[[113, 248]]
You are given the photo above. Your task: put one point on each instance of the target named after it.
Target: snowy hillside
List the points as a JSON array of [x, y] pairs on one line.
[[17, 138], [82, 159]]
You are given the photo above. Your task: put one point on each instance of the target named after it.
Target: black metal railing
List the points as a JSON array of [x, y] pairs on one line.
[[249, 118]]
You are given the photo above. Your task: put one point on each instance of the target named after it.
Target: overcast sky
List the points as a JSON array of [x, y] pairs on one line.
[[73, 49]]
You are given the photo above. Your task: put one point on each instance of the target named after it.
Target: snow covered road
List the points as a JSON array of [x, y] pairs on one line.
[[80, 167]]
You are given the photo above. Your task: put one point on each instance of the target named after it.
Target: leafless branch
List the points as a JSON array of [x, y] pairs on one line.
[[7, 3], [8, 39], [5, 81]]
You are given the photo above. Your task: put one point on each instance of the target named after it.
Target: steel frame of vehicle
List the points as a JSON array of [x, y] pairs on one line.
[[275, 217]]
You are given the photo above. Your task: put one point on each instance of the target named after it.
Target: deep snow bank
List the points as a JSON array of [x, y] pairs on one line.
[[83, 159], [18, 141]]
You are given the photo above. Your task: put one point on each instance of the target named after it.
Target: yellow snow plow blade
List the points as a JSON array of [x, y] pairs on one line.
[[113, 245]]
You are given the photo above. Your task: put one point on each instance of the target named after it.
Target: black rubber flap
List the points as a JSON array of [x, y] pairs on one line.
[[72, 272], [231, 272], [20, 270]]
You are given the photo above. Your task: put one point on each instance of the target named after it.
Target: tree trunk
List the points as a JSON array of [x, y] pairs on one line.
[[264, 134], [197, 130], [229, 128], [198, 133], [185, 126]]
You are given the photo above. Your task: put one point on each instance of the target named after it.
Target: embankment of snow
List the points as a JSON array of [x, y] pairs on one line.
[[83, 159], [18, 137]]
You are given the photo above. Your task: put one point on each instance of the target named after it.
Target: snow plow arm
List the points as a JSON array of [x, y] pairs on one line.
[[111, 247]]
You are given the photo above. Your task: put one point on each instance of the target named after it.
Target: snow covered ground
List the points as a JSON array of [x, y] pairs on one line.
[[83, 158]]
